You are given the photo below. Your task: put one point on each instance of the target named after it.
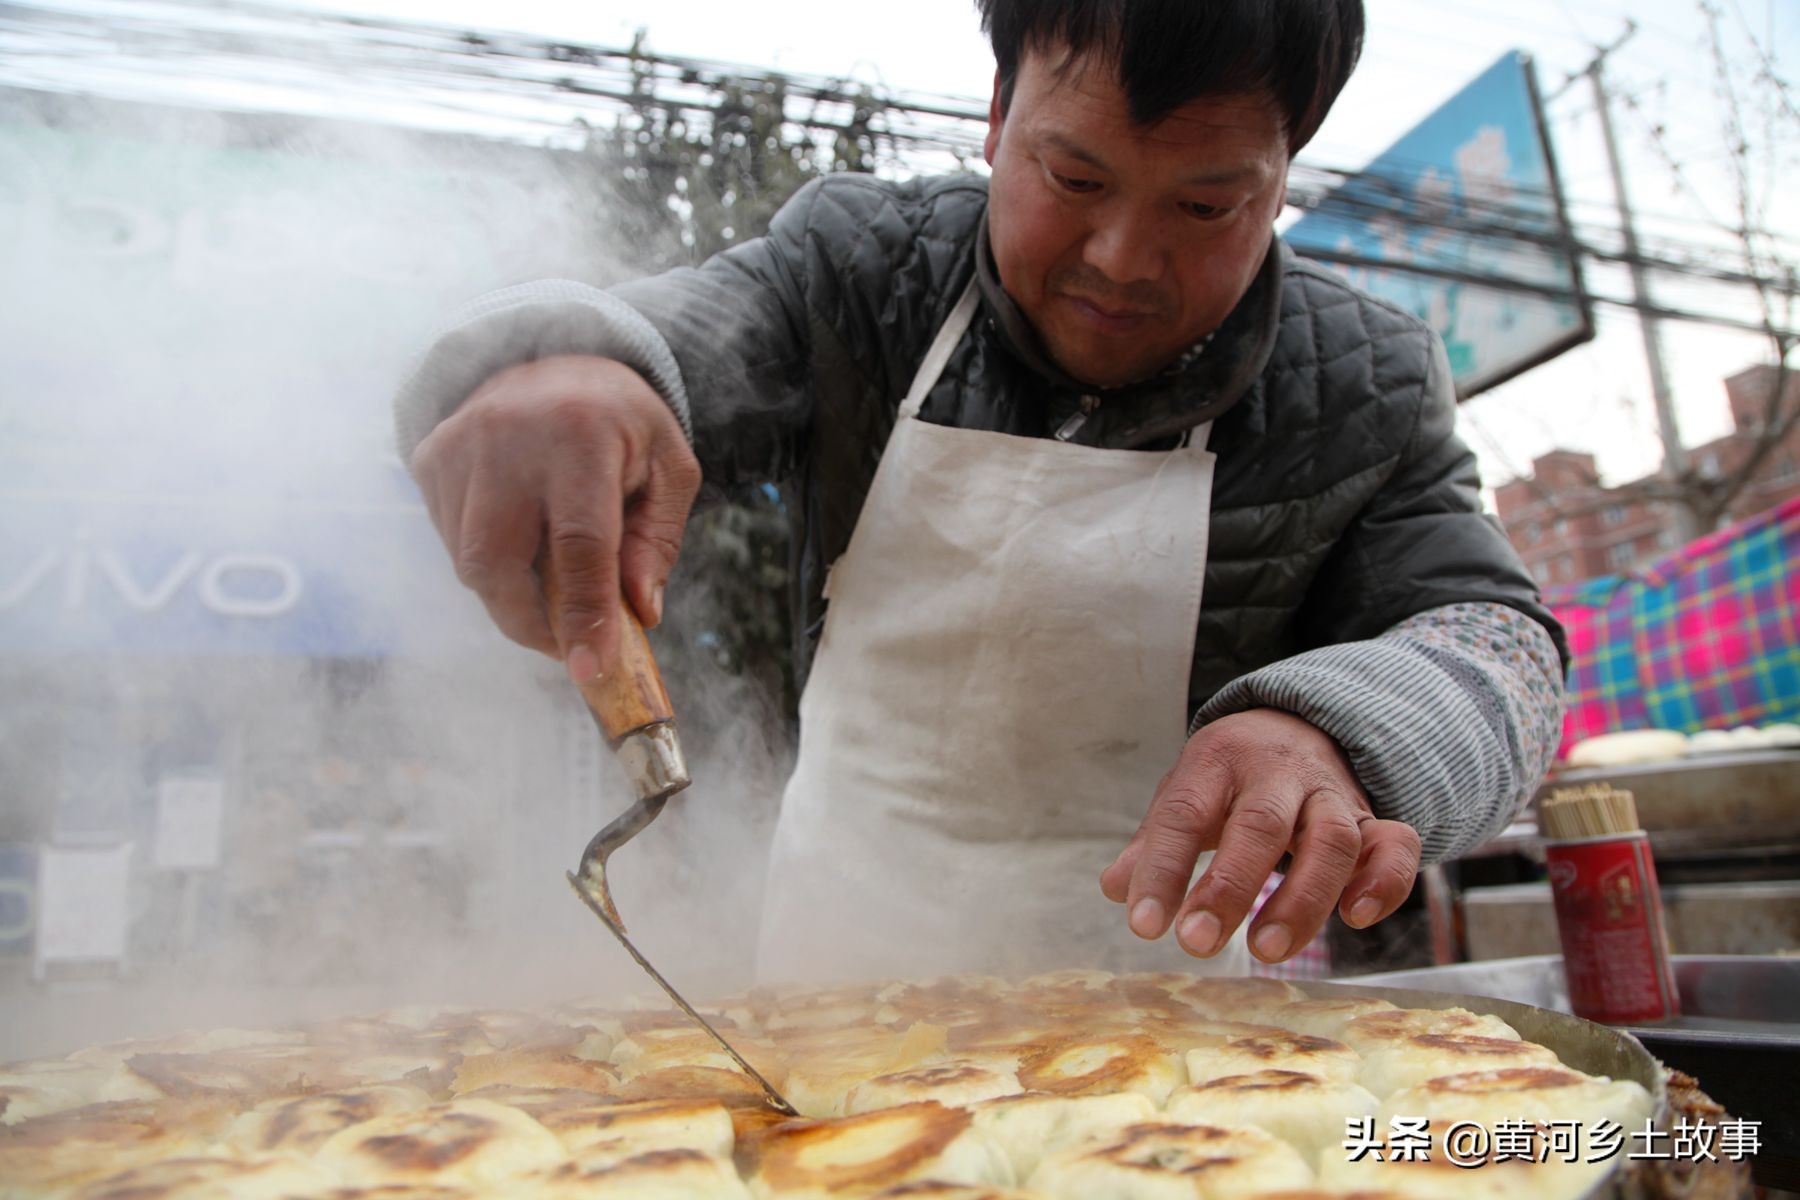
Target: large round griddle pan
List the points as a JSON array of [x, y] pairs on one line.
[[1582, 1045]]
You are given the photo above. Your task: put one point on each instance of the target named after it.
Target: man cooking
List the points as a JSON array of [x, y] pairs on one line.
[[1126, 535]]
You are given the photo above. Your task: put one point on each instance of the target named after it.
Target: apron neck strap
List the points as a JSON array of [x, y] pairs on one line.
[[955, 325], [949, 334]]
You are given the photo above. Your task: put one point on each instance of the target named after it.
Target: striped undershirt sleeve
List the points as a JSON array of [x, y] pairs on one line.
[[516, 325], [1450, 718]]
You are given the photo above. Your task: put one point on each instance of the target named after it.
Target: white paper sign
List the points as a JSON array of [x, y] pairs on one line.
[[190, 822], [84, 903]]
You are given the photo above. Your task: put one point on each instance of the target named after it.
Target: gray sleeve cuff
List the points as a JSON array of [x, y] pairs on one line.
[[1449, 719], [519, 324]]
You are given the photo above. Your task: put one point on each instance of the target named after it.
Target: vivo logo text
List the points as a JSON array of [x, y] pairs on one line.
[[231, 585]]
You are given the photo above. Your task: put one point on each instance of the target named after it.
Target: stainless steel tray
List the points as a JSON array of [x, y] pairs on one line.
[[1756, 995], [1750, 791]]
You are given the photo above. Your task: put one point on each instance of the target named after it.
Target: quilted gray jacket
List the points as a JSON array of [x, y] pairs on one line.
[[1351, 575]]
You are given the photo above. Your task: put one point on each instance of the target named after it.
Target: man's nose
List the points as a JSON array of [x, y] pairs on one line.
[[1124, 247]]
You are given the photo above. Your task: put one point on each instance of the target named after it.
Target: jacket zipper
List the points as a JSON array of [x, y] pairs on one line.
[[1077, 419]]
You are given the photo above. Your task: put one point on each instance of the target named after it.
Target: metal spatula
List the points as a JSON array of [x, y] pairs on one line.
[[631, 707]]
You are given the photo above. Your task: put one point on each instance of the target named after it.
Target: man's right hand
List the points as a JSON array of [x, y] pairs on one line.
[[575, 457]]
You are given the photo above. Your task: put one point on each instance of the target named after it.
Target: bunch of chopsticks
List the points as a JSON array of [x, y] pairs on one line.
[[1595, 810]]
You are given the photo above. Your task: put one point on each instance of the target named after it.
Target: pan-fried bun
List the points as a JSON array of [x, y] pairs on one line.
[[1069, 1083], [1439, 1178], [466, 1143], [1251, 999], [212, 1178], [1176, 1162], [655, 1175], [818, 1160], [1303, 1110], [1390, 1067], [80, 1145], [612, 1132], [1030, 1126], [1327, 1016], [932, 1190], [955, 1083], [1376, 1029], [1279, 1052], [299, 1125], [1089, 1066], [1536, 1094]]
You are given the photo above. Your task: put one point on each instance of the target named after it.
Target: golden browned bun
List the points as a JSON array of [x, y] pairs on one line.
[[1090, 1066], [955, 1083], [1303, 1110], [401, 1191], [1172, 1162], [1067, 1083], [1438, 1178], [1250, 999], [1535, 1094], [467, 1143], [43, 1086], [482, 1031], [533, 1068], [856, 1006], [654, 1175], [1391, 1066], [644, 1050], [299, 1125], [1327, 1016], [823, 1066], [732, 1088], [212, 1178], [1275, 1052], [612, 1132], [1027, 1127], [80, 1145], [804, 1160], [932, 1190], [1383, 1028], [252, 1071]]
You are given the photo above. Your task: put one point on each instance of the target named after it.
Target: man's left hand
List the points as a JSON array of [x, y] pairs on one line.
[[1254, 786]]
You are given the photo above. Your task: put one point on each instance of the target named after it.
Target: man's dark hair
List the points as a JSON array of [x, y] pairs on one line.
[[1170, 52]]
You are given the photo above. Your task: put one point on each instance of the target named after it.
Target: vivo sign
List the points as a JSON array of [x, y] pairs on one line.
[[85, 575], [230, 585]]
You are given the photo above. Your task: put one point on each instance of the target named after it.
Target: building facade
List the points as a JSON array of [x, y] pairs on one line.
[[1568, 527]]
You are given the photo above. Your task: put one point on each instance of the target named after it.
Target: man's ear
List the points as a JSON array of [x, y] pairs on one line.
[[996, 114]]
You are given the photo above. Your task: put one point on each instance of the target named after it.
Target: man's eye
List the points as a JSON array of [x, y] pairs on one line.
[[1205, 212], [1079, 186]]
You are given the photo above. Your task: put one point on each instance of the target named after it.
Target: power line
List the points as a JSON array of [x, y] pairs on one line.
[[547, 82]]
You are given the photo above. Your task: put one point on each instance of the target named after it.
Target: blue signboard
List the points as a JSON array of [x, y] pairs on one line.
[[1461, 223]]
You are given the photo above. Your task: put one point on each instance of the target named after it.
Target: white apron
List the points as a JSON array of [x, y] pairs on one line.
[[1000, 685]]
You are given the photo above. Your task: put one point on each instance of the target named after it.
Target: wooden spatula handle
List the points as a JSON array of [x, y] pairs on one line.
[[631, 695]]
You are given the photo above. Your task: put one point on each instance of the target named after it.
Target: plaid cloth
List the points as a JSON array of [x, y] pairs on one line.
[[1705, 638]]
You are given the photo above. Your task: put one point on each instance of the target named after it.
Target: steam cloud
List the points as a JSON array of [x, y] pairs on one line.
[[212, 567]]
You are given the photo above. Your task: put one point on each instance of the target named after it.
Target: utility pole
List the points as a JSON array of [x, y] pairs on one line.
[[1675, 460]]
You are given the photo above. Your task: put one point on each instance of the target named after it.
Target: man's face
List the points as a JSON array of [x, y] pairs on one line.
[[1123, 244]]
